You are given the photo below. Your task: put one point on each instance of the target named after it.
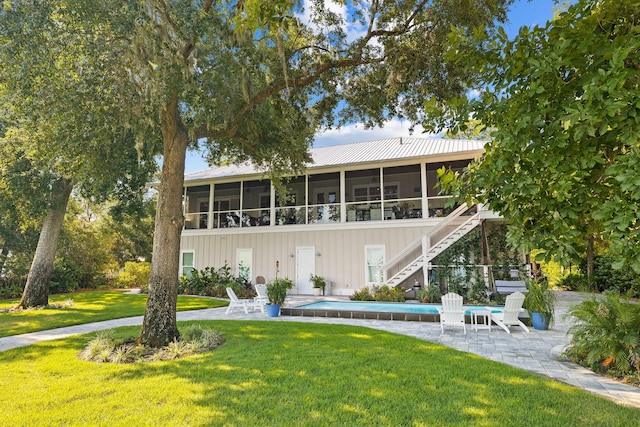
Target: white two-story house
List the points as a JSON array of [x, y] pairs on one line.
[[364, 213]]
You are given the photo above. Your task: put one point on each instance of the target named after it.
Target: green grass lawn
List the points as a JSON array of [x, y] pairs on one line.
[[93, 306], [291, 374]]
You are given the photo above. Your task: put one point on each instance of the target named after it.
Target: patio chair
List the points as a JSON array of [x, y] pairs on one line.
[[245, 303], [509, 317], [261, 290], [451, 312]]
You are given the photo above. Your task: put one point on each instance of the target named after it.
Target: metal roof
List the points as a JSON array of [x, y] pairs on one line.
[[382, 150]]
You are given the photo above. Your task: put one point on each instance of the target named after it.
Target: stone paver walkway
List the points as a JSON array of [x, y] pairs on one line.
[[538, 351]]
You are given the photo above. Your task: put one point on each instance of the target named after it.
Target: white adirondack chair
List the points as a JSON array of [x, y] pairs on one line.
[[245, 303], [261, 290], [509, 317], [451, 312]]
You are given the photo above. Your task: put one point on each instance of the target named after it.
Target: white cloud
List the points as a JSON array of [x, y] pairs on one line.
[[353, 30], [474, 93], [357, 133]]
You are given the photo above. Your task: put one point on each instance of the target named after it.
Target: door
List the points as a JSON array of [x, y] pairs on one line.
[[305, 267]]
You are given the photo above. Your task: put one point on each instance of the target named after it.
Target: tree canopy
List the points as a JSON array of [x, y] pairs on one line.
[[563, 102], [58, 131]]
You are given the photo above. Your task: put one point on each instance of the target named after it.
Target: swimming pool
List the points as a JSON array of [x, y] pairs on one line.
[[375, 310]]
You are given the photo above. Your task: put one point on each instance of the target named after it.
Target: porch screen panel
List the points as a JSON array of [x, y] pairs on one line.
[[256, 202], [435, 200], [324, 198], [291, 207], [226, 205], [196, 207], [402, 192], [363, 195]]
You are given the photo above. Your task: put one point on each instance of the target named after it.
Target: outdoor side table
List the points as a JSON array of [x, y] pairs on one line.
[[483, 315]]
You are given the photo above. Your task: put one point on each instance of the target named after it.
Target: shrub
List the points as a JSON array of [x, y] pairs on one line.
[[363, 294], [478, 293], [104, 348], [575, 282], [606, 337], [605, 277], [66, 276], [385, 293], [202, 338], [213, 283], [430, 294], [11, 286], [135, 275]]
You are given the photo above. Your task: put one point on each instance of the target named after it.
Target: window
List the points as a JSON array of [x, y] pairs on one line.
[[365, 193], [187, 263], [243, 264], [374, 260]]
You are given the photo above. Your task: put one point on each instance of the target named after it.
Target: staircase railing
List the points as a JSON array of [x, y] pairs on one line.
[[415, 249]]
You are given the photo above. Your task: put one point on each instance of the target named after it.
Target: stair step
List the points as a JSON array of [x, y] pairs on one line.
[[433, 251]]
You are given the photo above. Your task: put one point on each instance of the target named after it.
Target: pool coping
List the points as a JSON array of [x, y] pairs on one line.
[[372, 315], [353, 314]]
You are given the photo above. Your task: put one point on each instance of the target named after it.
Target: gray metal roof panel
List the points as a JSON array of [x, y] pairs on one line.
[[359, 152]]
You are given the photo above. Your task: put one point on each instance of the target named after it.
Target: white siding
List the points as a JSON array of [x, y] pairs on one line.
[[341, 250]]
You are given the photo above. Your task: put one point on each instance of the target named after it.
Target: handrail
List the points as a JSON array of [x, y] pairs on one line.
[[418, 242], [453, 215], [468, 221]]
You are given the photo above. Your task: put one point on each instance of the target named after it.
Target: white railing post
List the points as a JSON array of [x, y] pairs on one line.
[[426, 244]]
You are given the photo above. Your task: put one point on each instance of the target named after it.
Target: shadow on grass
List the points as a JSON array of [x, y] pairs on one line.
[[93, 306], [272, 373]]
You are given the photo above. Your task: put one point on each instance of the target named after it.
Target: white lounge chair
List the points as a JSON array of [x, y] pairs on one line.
[[451, 312], [261, 290], [245, 303], [509, 317]]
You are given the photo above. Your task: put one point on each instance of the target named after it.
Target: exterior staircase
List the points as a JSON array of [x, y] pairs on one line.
[[419, 254]]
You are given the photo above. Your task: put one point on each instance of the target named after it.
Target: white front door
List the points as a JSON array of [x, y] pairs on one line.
[[305, 267]]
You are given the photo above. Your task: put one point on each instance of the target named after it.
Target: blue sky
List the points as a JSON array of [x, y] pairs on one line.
[[534, 12]]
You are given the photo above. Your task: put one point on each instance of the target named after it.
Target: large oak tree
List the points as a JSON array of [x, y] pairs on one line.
[[252, 80], [58, 133]]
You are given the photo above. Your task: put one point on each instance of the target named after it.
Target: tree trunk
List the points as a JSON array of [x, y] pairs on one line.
[[159, 326], [590, 256], [3, 256], [36, 291]]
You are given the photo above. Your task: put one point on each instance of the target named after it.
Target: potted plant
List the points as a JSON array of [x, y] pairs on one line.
[[276, 294], [430, 294], [318, 284], [540, 303]]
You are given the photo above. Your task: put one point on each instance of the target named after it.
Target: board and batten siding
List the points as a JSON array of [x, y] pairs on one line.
[[340, 253]]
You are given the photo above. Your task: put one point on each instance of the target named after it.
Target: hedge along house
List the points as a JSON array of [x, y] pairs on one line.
[[363, 214]]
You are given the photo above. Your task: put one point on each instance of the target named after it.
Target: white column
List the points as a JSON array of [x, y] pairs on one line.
[[343, 197], [210, 213], [241, 204], [425, 263], [423, 185], [272, 208]]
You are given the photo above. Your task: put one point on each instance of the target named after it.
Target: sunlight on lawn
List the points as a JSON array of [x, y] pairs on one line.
[[287, 373]]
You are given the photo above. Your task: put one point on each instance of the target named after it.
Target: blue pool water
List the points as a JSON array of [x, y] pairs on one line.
[[387, 307]]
